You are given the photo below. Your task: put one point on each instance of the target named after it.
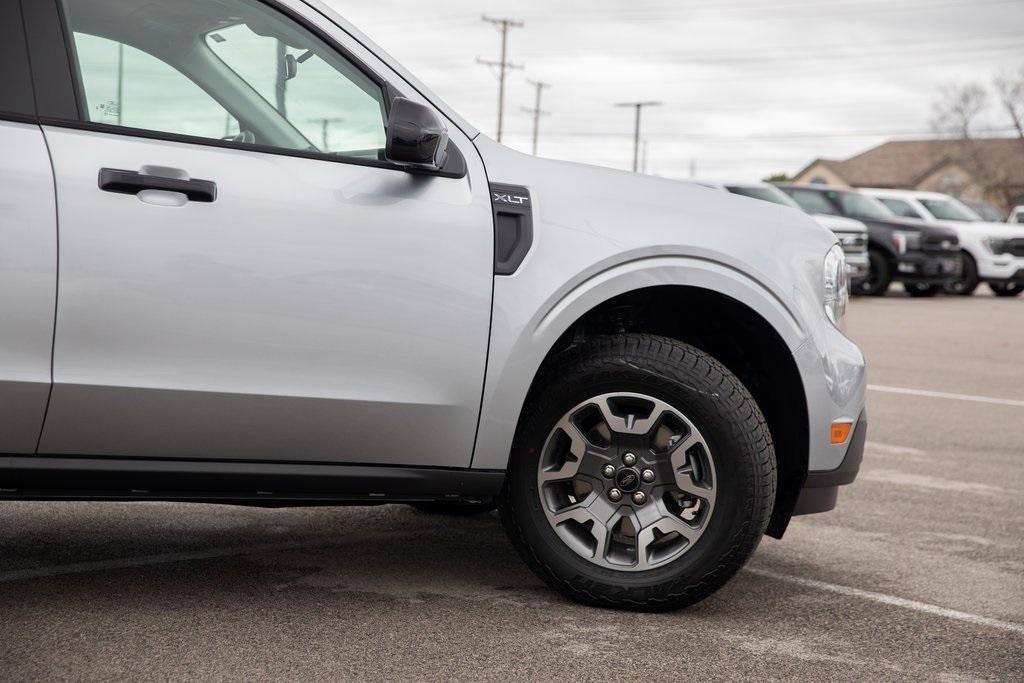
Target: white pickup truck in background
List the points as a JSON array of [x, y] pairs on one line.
[[992, 252]]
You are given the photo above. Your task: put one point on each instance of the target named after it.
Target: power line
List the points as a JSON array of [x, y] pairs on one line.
[[848, 56], [585, 136], [638, 107], [537, 111], [503, 65], [678, 11]]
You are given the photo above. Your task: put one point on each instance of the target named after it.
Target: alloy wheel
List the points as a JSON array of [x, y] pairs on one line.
[[627, 481]]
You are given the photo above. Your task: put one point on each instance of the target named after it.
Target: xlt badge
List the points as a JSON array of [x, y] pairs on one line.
[[510, 199]]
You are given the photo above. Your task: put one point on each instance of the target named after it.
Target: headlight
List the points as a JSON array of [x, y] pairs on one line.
[[834, 285], [996, 245], [903, 242]]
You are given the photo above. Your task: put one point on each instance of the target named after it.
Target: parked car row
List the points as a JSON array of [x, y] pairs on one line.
[[929, 242]]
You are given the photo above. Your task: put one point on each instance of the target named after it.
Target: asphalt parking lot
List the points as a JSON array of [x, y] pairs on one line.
[[919, 572]]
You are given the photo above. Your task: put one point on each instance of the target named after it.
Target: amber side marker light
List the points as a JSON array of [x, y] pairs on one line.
[[840, 432]]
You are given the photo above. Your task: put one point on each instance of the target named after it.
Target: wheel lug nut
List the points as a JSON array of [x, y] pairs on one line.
[[629, 459], [615, 495], [608, 471], [639, 498], [647, 476]]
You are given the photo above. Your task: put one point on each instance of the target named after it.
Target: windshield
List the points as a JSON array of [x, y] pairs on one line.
[[767, 194], [900, 208], [988, 212], [949, 210], [813, 201], [857, 205]]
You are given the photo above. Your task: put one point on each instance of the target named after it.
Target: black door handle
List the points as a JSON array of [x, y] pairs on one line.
[[130, 182]]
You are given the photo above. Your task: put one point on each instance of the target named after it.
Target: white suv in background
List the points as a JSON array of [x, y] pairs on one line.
[[852, 234], [1017, 215], [992, 252]]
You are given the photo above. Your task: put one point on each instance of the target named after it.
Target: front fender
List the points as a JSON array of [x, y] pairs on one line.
[[523, 332]]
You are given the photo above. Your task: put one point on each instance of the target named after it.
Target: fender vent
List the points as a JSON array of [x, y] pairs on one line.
[[513, 227]]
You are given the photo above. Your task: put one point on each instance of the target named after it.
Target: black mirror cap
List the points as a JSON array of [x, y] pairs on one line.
[[416, 136]]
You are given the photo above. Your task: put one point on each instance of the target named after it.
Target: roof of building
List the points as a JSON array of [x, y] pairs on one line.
[[904, 163]]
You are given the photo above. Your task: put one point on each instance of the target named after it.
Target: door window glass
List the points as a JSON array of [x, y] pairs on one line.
[[336, 107], [231, 69], [127, 87]]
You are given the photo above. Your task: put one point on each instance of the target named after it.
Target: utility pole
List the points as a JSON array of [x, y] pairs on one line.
[[120, 83], [325, 124], [537, 111], [503, 65], [638, 106], [643, 160]]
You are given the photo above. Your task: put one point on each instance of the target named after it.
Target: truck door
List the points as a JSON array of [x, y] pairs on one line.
[[243, 275]]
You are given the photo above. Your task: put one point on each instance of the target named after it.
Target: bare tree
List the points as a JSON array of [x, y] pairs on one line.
[[1010, 89], [958, 108], [957, 116]]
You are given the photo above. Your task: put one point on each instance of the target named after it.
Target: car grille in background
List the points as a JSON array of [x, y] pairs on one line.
[[937, 243], [853, 242], [1015, 246]]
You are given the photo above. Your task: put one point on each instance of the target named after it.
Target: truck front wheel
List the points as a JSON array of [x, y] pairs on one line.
[[968, 280], [642, 474], [1006, 288], [879, 276]]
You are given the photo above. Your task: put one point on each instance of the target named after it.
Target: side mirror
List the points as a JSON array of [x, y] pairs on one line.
[[416, 136]]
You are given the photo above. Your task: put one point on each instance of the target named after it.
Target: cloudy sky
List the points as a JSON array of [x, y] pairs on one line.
[[750, 87]]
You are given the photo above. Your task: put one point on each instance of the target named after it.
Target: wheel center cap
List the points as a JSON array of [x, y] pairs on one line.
[[627, 479]]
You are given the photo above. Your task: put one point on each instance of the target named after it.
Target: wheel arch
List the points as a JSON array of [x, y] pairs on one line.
[[739, 338], [741, 324]]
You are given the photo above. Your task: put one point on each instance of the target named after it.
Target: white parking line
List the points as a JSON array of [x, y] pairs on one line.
[[150, 560], [923, 481], [943, 394], [890, 449], [894, 601]]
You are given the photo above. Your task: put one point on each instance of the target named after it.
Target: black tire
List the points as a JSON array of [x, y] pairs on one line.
[[921, 291], [879, 276], [1007, 289], [723, 410], [968, 280], [456, 509]]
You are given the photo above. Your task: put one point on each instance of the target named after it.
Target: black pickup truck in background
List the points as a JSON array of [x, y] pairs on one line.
[[923, 257]]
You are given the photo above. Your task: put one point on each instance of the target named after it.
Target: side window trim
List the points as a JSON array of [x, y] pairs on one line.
[[17, 99], [51, 58], [50, 61]]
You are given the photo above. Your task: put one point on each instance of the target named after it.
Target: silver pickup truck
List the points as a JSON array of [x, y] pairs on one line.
[[247, 258]]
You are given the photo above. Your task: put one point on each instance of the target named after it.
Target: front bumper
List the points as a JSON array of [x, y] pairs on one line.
[[1003, 268], [857, 265], [928, 268], [821, 488]]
